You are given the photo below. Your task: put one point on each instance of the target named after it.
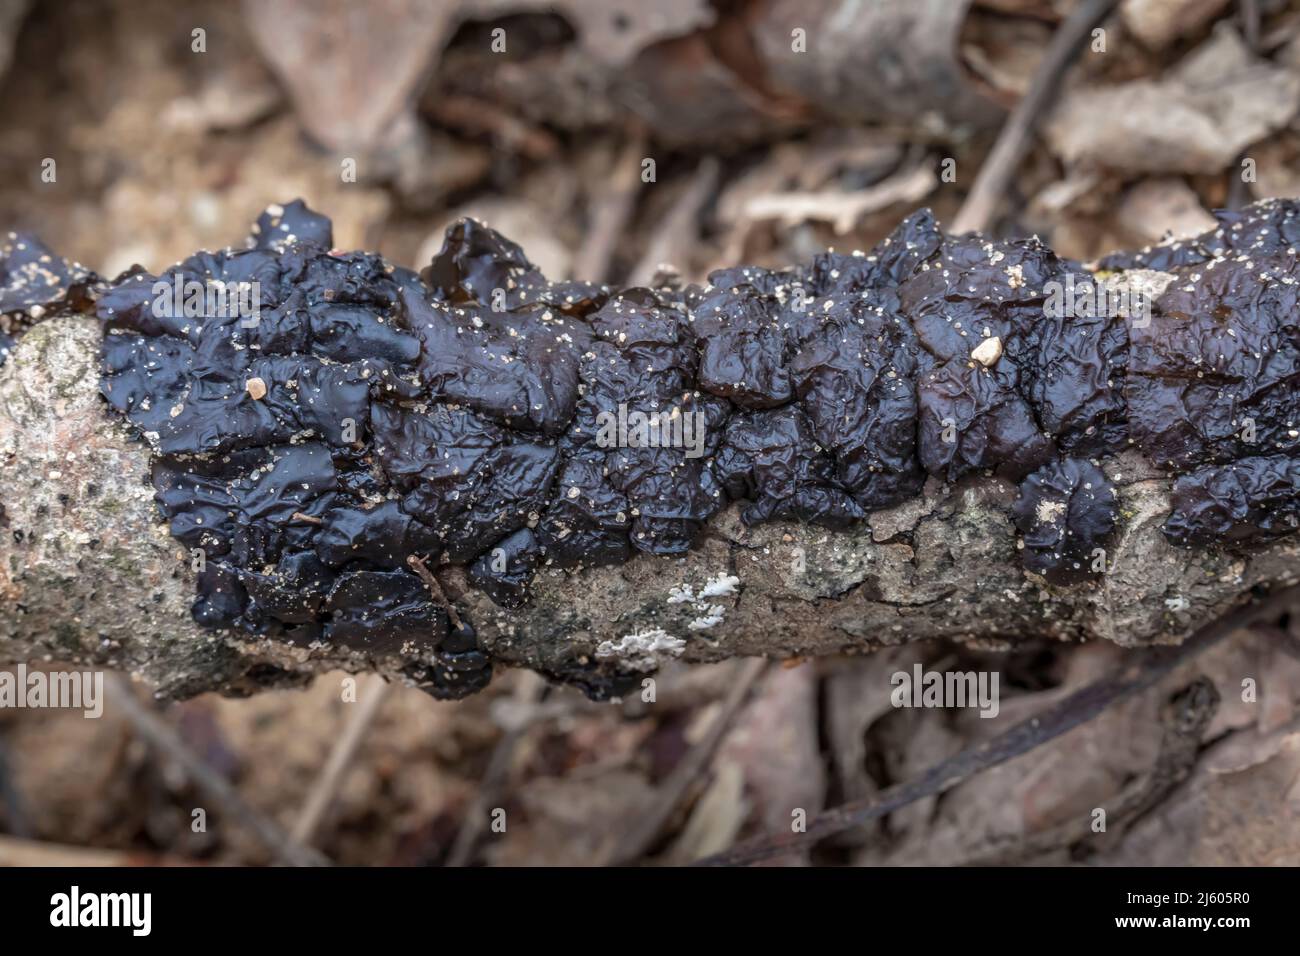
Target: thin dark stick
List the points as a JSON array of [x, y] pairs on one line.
[[991, 181], [162, 737], [339, 763], [11, 798], [611, 213], [1081, 706], [529, 692], [647, 826]]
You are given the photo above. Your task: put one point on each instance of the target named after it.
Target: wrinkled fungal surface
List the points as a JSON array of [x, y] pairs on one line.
[[35, 284], [1251, 500], [1065, 512], [329, 430]]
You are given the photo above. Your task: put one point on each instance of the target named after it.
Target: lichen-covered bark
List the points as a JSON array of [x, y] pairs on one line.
[[89, 574]]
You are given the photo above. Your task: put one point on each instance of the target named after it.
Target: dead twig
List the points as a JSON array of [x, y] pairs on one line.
[[1184, 717], [1080, 707], [648, 825], [479, 117], [842, 210], [531, 689], [991, 182], [677, 230], [11, 797], [217, 788], [371, 695], [613, 209]]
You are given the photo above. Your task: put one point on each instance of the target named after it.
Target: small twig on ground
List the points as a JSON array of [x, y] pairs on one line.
[[531, 689], [216, 787], [678, 228], [310, 519], [1080, 707], [613, 208], [11, 798], [843, 210], [370, 696], [480, 117], [991, 182], [1250, 22], [669, 795], [1184, 717]]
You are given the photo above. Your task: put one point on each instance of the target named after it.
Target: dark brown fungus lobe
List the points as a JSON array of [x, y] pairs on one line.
[[764, 460], [1267, 227], [1065, 512], [384, 611], [973, 418], [1215, 375], [505, 571], [1250, 501], [280, 227], [34, 285]]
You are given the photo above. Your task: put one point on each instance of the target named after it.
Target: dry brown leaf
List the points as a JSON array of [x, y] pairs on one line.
[[1163, 206], [1005, 51], [1238, 809], [716, 820], [611, 32], [567, 821], [1158, 23], [1195, 120], [892, 60], [725, 108], [351, 69], [1059, 782], [775, 740]]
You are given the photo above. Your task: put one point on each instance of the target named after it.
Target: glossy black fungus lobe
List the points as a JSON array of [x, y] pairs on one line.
[[1267, 227], [1250, 501], [1215, 374], [1065, 512], [34, 285]]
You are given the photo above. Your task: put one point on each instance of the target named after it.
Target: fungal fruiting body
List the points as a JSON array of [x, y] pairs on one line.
[[347, 415]]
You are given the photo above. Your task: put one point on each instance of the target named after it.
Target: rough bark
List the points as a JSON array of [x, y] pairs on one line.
[[88, 574]]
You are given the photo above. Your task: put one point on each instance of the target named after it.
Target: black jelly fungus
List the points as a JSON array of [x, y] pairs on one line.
[[1250, 501], [1065, 512], [332, 416]]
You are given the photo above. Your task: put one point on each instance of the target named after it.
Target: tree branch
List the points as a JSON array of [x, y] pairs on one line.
[[90, 576]]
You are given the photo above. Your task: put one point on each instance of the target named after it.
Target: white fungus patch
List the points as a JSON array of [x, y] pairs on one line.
[[713, 614], [681, 594], [642, 650], [720, 586]]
